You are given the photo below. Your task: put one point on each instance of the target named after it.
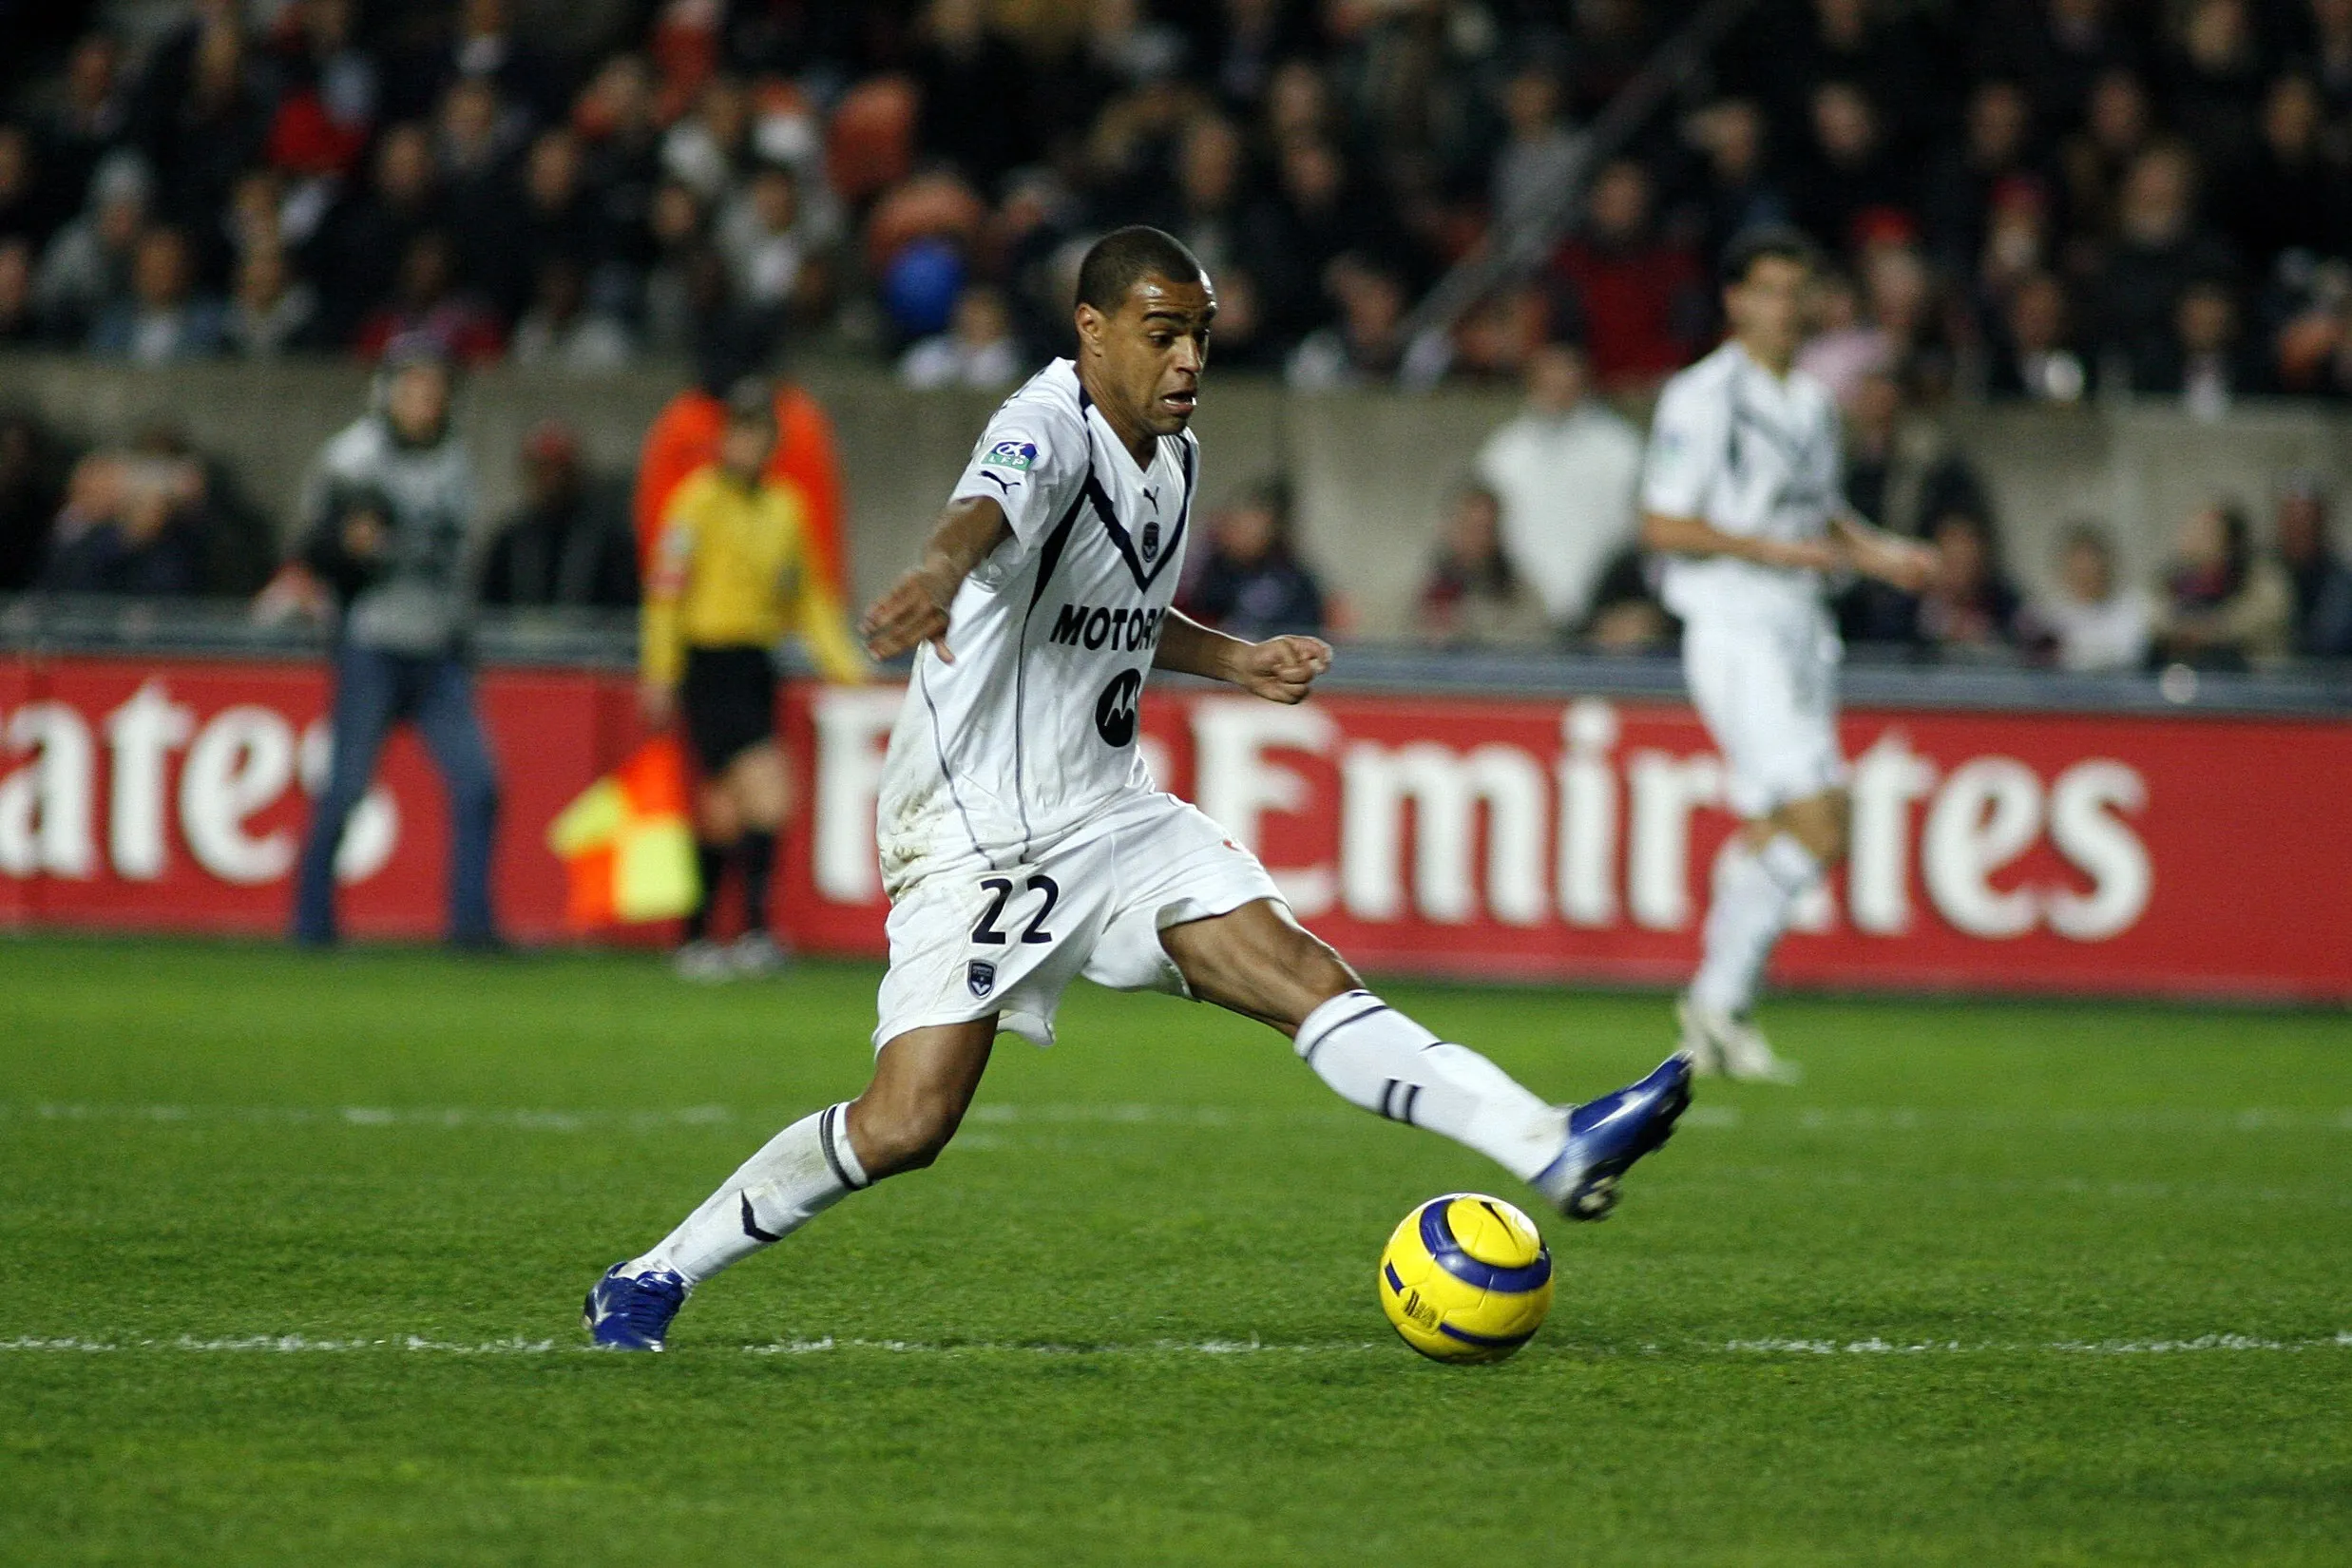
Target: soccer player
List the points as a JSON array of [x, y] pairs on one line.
[[1023, 844], [732, 574], [1741, 493]]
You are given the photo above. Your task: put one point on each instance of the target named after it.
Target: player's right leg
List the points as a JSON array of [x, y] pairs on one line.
[[924, 1081], [1258, 960]]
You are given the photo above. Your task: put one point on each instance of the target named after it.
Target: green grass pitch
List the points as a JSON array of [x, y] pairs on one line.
[[292, 1249]]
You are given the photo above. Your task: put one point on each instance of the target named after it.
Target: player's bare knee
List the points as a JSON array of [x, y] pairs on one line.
[[903, 1131]]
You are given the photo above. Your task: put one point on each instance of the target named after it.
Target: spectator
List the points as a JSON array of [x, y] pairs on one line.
[[163, 321], [207, 123], [979, 351], [1541, 154], [1472, 597], [32, 489], [1254, 585], [426, 304], [90, 120], [1642, 298], [1738, 190], [569, 543], [2289, 193], [1367, 346], [1968, 610], [1902, 469], [975, 89], [1841, 347], [678, 250], [2209, 365], [385, 514], [483, 47], [708, 150], [768, 249], [1853, 173], [127, 527], [1997, 148], [2034, 355], [87, 269], [332, 93], [2094, 623], [2315, 574], [1564, 469], [20, 323], [563, 330], [272, 312], [2226, 607], [2216, 88], [25, 210], [558, 219], [2096, 161], [2158, 252], [238, 544], [359, 249]]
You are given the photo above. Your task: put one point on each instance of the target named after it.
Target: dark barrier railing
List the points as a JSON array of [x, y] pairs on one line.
[[34, 624]]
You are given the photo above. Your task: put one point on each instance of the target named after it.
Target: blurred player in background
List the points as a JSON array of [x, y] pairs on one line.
[[1023, 843], [1741, 493], [386, 514], [733, 572]]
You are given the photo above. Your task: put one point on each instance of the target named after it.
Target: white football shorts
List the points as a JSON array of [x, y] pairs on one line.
[[968, 940], [1767, 690]]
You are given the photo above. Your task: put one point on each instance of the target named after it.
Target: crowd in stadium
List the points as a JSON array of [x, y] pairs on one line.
[[2040, 194], [2045, 199]]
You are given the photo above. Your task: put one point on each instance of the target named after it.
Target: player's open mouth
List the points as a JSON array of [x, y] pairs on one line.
[[1179, 402]]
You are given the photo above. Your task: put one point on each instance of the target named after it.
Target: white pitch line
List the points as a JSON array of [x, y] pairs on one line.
[[1792, 1347]]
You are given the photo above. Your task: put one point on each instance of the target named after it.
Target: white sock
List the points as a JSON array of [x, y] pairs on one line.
[[1375, 1057], [1756, 891], [797, 1175]]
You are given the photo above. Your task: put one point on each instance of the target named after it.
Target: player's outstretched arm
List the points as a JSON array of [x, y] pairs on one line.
[[1906, 564], [915, 610], [1281, 669], [1696, 536]]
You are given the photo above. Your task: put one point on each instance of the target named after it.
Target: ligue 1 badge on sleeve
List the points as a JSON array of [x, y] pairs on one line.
[[981, 977]]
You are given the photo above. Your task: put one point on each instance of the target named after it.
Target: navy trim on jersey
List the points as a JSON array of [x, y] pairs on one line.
[[939, 744], [1118, 536]]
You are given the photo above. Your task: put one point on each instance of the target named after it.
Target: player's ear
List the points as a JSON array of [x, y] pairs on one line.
[[1090, 324]]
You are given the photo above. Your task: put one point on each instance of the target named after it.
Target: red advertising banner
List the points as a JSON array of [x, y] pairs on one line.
[[1566, 840], [1538, 840]]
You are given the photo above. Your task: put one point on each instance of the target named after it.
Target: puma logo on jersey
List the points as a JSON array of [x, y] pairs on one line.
[[1092, 627]]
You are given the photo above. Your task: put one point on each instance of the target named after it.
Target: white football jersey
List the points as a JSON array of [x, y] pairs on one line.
[[1754, 455], [1031, 730]]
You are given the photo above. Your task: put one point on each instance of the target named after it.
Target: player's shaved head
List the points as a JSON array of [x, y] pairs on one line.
[[1120, 260]]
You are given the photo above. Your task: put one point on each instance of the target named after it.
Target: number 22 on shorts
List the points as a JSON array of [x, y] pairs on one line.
[[1000, 892]]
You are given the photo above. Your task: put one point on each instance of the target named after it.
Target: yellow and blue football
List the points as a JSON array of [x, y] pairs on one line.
[[1467, 1277]]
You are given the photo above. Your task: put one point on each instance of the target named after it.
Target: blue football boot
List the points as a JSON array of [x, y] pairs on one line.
[[1607, 1135], [631, 1315]]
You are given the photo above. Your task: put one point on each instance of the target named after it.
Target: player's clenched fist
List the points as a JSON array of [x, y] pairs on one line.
[[1282, 669], [909, 614]]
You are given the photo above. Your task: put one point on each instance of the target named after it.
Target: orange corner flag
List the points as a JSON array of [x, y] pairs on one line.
[[628, 842]]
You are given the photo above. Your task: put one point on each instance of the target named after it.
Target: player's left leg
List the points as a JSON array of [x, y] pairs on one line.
[[1759, 881], [1258, 960], [924, 1081]]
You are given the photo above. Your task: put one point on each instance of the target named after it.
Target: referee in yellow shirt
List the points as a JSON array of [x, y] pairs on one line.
[[730, 576]]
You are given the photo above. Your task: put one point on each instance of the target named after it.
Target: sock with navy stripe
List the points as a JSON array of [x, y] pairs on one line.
[[1375, 1057], [797, 1175]]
